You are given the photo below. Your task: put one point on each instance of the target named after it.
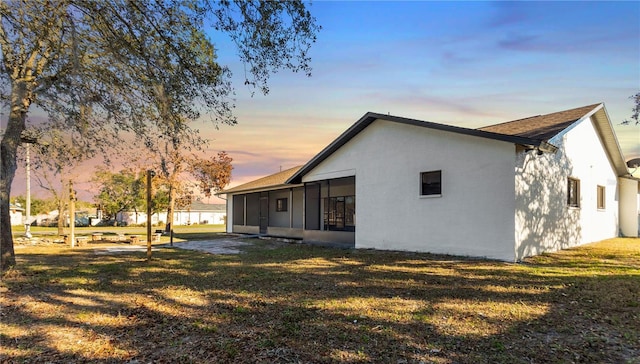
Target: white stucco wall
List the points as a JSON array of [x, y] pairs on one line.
[[474, 216], [629, 207], [229, 228], [544, 222], [16, 217]]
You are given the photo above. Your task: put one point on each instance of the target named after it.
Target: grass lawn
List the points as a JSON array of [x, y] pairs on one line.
[[293, 303], [181, 232]]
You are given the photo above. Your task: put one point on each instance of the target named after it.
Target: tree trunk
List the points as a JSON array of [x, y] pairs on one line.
[[61, 218], [20, 102], [170, 208]]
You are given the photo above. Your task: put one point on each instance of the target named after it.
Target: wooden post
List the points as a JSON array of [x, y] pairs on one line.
[[150, 174], [72, 214]]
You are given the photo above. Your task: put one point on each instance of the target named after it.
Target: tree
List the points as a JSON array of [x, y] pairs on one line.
[[119, 191], [635, 116], [99, 69], [212, 174], [60, 196], [53, 161], [126, 191]]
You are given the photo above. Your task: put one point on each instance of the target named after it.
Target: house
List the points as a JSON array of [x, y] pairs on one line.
[[268, 205], [16, 214], [200, 213], [197, 213], [505, 191]]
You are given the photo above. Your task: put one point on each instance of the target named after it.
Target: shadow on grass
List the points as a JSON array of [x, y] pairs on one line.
[[297, 303], [199, 235]]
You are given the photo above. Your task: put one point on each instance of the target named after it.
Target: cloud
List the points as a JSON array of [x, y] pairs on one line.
[[564, 27], [518, 42]]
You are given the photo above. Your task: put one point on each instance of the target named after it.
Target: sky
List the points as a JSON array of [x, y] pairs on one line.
[[469, 64]]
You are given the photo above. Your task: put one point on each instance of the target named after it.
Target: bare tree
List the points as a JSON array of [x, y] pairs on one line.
[[53, 160], [635, 112], [101, 68]]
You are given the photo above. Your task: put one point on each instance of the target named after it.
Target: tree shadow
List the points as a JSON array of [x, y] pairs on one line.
[[310, 304], [544, 221]]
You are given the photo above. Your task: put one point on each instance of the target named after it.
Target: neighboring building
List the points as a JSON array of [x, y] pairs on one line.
[[197, 213], [201, 213], [16, 214], [505, 191]]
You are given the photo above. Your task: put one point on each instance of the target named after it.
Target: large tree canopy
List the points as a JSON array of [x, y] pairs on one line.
[[101, 68]]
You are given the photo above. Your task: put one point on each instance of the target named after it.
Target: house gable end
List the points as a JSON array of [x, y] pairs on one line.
[[370, 117]]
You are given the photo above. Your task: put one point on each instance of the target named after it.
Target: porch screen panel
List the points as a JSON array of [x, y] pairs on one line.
[[312, 207], [340, 205], [253, 209], [296, 211], [238, 209]]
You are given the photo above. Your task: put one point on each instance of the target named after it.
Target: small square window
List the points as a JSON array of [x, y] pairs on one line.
[[431, 183], [281, 204], [601, 198], [573, 192]]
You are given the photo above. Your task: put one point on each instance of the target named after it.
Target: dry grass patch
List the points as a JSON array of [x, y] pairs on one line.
[[280, 303]]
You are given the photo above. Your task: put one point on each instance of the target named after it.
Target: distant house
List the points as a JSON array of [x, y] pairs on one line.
[[201, 213], [16, 214], [505, 191], [198, 213]]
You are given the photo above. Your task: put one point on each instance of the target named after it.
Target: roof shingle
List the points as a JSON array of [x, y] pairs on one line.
[[541, 127], [273, 180]]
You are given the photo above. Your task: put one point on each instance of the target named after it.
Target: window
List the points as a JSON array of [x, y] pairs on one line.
[[340, 213], [573, 192], [601, 198], [281, 204], [431, 183]]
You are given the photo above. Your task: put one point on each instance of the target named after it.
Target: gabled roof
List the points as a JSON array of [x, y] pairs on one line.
[[201, 206], [532, 132], [15, 207], [269, 182], [546, 127], [370, 117], [541, 127]]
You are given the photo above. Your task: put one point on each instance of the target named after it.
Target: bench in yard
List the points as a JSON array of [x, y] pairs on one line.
[[81, 240], [96, 236]]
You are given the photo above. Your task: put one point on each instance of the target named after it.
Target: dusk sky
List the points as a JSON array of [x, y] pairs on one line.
[[463, 63]]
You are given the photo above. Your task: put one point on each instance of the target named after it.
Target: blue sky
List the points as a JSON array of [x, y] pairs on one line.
[[463, 63]]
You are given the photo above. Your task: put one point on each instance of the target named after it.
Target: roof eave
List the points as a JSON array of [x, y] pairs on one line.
[[259, 189], [611, 144]]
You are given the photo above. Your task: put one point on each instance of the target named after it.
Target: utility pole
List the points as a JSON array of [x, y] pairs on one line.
[[72, 214], [150, 174], [27, 222]]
